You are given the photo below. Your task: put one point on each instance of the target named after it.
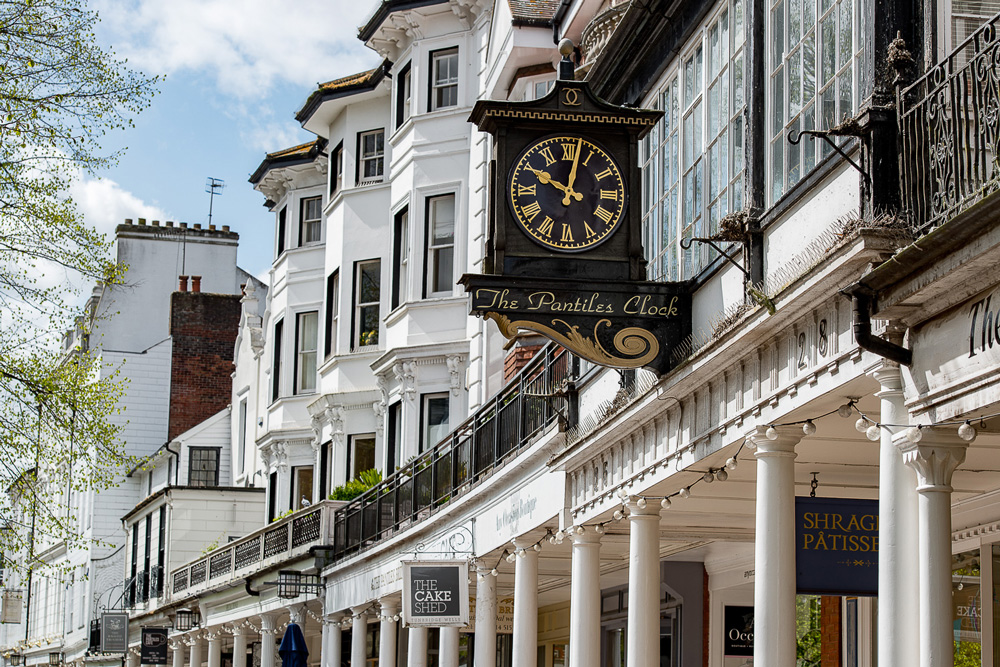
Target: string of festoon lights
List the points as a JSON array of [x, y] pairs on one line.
[[871, 428]]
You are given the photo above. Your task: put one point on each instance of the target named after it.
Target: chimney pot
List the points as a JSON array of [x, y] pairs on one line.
[[225, 228], [142, 221], [170, 223], [195, 283], [184, 225], [128, 221], [183, 285], [156, 223], [197, 225], [211, 228]]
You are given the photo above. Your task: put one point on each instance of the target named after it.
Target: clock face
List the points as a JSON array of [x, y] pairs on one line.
[[567, 193]]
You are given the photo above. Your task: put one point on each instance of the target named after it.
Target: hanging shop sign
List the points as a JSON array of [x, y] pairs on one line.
[[836, 546], [114, 632], [564, 254], [436, 593], [12, 606], [738, 639], [153, 650]]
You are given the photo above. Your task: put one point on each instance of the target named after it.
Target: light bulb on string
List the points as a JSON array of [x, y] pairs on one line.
[[579, 530], [966, 431], [494, 572], [809, 428], [722, 475], [665, 503], [771, 433], [510, 558], [537, 547], [862, 424], [873, 433], [845, 411], [914, 434], [685, 492], [521, 553], [641, 503], [599, 529], [708, 477], [618, 515], [731, 463]]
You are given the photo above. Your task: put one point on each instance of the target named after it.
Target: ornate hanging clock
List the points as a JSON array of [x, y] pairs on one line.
[[564, 251], [567, 193]]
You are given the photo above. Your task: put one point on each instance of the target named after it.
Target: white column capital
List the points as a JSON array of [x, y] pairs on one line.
[[889, 377], [389, 606], [642, 510], [267, 623], [296, 612], [934, 458], [523, 542], [782, 445], [586, 538]]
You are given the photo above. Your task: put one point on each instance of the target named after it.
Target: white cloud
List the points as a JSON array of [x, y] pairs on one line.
[[105, 205], [246, 45]]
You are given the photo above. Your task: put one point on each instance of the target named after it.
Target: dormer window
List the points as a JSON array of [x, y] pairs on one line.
[[444, 79]]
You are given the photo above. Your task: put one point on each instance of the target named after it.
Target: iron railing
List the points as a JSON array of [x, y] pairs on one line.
[[509, 422], [949, 127], [286, 538]]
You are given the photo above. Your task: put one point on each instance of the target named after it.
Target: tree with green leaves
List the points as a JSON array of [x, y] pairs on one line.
[[60, 94]]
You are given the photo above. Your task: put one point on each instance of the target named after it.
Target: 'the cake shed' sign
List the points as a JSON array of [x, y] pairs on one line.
[[436, 593]]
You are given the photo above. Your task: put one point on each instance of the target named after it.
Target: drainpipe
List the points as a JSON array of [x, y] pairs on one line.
[[864, 299], [177, 457], [557, 19]]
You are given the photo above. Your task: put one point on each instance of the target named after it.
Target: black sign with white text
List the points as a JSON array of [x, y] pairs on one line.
[[153, 650], [435, 593]]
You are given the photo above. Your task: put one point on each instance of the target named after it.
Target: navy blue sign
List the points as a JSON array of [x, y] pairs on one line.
[[836, 546]]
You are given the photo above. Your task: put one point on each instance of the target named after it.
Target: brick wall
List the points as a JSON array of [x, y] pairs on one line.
[[203, 327], [517, 358], [829, 615]]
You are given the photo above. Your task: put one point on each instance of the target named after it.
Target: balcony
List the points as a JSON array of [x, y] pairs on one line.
[[474, 451], [949, 128], [278, 542], [597, 33]]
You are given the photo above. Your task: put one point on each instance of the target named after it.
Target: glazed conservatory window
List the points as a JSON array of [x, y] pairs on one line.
[[692, 161], [814, 58]]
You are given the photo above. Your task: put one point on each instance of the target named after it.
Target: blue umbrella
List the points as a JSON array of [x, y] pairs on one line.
[[293, 649]]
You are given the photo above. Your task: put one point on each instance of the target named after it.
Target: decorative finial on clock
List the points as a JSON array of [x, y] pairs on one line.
[[566, 67]]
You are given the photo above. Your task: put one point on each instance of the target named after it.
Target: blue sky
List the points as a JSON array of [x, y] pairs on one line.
[[236, 72]]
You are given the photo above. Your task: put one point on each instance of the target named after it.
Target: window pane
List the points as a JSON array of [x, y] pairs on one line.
[[363, 456], [436, 410]]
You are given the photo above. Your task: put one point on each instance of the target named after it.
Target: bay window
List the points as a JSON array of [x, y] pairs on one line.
[[305, 352], [367, 295], [440, 238], [444, 79]]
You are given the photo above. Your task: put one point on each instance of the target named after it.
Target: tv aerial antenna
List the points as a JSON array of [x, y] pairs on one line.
[[213, 186]]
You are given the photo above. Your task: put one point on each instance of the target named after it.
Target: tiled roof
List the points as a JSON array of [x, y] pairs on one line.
[[303, 153], [347, 81], [533, 11], [347, 85]]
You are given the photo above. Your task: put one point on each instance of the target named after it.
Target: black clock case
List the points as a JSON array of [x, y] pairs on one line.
[[571, 108]]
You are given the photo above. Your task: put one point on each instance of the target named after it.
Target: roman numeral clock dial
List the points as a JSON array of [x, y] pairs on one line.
[[567, 193]]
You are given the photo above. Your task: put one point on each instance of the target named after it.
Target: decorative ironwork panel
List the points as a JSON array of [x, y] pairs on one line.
[[305, 529], [180, 581], [221, 564], [276, 541], [949, 127], [198, 571], [248, 553]]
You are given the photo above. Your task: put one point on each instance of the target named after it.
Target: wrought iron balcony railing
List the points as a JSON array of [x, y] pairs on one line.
[[949, 125], [473, 451], [287, 538]]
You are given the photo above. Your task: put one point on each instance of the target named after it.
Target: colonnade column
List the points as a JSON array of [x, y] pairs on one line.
[[934, 458], [486, 617], [359, 636], [643, 643], [132, 659], [332, 642], [525, 604], [448, 647], [774, 546], [387, 633], [416, 647], [585, 600], [195, 651], [898, 586], [215, 648], [239, 645], [266, 640], [178, 653]]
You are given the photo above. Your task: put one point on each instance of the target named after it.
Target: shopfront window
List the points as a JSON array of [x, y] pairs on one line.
[[966, 607]]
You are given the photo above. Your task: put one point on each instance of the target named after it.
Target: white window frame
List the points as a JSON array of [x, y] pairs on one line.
[[401, 234], [835, 86], [426, 440], [297, 496], [404, 92], [375, 157], [353, 458], [359, 340], [305, 382], [310, 229], [435, 251], [685, 155], [443, 85]]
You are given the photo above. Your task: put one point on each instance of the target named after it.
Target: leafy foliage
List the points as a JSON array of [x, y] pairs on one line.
[[365, 480], [60, 93]]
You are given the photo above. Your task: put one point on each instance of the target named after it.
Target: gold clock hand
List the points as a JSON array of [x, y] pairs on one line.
[[545, 178], [572, 175]]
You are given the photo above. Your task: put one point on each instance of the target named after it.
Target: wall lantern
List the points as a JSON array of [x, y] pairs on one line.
[[184, 620], [292, 584]]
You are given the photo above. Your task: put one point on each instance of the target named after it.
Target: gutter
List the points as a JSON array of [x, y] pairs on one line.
[[863, 298]]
